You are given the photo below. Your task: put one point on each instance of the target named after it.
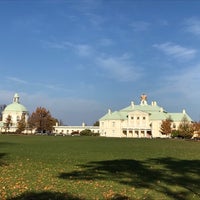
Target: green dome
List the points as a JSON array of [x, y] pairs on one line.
[[16, 107]]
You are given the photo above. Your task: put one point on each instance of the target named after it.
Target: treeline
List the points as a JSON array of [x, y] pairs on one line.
[[186, 129], [39, 121]]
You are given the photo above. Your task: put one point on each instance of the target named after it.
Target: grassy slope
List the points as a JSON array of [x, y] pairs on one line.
[[98, 168]]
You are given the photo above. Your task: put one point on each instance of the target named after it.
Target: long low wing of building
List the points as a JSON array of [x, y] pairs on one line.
[[74, 130]]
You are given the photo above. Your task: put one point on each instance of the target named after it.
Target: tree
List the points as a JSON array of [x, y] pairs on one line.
[[41, 120], [185, 128], [21, 126], [96, 123], [8, 123], [165, 127], [196, 128]]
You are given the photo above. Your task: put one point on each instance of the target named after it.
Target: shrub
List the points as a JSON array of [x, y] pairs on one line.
[[75, 133], [175, 134], [88, 132]]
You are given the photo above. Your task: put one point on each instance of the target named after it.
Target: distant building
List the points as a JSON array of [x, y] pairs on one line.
[[70, 130], [138, 121], [134, 121], [15, 110]]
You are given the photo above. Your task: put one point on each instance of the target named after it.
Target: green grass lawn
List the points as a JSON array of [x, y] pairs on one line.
[[60, 168]]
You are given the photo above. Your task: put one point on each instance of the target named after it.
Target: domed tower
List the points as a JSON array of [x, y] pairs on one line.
[[16, 111]]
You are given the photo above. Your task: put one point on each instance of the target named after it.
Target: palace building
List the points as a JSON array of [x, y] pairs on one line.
[[139, 121]]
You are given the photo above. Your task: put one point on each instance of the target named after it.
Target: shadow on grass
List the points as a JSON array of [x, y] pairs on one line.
[[55, 196], [2, 163], [174, 178], [45, 196], [3, 155]]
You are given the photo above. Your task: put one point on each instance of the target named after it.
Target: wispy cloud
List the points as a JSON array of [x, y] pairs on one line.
[[181, 91], [105, 42], [192, 25], [80, 49], [83, 50], [95, 20], [120, 69], [41, 85], [72, 111], [54, 45], [140, 25], [176, 51], [16, 80], [187, 81]]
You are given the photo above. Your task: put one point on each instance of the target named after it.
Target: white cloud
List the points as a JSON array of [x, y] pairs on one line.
[[95, 20], [80, 49], [83, 50], [140, 25], [176, 51], [38, 85], [17, 80], [54, 45], [120, 69], [193, 26], [187, 82], [105, 42], [181, 91], [6, 96], [72, 111]]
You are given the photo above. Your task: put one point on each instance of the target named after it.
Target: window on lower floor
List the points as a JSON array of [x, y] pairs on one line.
[[124, 131]]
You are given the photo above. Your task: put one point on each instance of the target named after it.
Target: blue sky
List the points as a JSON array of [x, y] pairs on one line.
[[80, 58]]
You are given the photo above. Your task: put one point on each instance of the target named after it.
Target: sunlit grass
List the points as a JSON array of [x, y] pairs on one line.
[[34, 167]]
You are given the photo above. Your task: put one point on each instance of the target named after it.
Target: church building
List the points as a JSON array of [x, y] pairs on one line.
[[14, 111], [139, 121]]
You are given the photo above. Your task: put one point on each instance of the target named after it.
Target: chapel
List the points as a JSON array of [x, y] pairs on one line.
[[15, 111]]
